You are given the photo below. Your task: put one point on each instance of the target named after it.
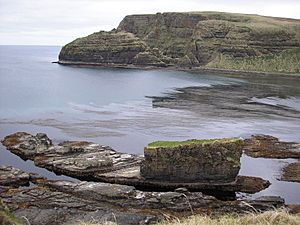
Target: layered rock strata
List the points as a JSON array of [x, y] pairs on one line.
[[193, 161], [13, 177], [66, 202], [183, 39], [95, 162]]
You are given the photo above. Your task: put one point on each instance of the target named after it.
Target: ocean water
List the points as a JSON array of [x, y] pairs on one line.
[[119, 108]]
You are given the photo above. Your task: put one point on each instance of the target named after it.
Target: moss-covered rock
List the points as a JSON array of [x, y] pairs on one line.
[[193, 160], [147, 59]]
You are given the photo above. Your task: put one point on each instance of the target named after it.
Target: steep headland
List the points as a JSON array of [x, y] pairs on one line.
[[192, 40]]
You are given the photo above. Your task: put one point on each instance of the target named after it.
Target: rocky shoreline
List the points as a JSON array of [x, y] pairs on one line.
[[66, 202], [111, 187], [196, 70]]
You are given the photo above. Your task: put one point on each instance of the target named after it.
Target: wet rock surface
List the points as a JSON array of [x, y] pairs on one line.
[[270, 147], [66, 202], [217, 161], [77, 159], [131, 176], [257, 98], [94, 162], [10, 176], [291, 172]]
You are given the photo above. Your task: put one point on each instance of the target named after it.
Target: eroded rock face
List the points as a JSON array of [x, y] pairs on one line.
[[104, 47], [270, 147], [183, 39], [216, 161]]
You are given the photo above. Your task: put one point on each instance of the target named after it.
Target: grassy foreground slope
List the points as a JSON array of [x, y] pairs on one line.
[[280, 217]]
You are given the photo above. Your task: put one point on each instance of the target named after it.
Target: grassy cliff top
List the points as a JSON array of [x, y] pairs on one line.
[[173, 144]]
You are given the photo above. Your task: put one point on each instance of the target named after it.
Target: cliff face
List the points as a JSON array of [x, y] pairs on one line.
[[186, 40]]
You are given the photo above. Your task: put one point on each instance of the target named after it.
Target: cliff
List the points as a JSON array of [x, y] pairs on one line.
[[195, 39]]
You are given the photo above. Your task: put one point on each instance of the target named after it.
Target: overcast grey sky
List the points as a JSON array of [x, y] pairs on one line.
[[57, 22]]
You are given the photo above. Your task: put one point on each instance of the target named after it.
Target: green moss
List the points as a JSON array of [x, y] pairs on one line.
[[236, 163], [172, 144]]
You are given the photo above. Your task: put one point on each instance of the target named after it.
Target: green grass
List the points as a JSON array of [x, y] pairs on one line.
[[172, 144], [278, 217], [287, 61]]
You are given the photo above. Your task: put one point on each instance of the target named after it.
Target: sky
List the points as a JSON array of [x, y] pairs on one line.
[[57, 22]]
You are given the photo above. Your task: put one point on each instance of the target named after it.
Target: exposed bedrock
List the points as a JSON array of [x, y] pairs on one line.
[[13, 177], [183, 39], [77, 159], [267, 146], [65, 202], [291, 172], [211, 160], [95, 162]]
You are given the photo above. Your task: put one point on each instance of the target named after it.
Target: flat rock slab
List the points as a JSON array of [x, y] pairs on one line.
[[10, 176], [77, 159], [291, 172], [66, 202], [270, 147], [131, 176], [95, 162]]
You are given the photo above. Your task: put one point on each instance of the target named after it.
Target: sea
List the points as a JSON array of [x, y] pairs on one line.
[[128, 108]]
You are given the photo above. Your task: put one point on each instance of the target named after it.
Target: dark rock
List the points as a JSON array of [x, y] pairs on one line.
[[89, 161], [77, 159], [217, 160], [291, 172], [270, 147], [103, 48], [65, 202], [263, 201], [294, 209], [252, 184], [10, 176], [131, 176], [27, 146], [13, 177], [6, 218]]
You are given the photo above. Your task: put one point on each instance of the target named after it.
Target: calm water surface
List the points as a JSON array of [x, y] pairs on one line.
[[119, 107]]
